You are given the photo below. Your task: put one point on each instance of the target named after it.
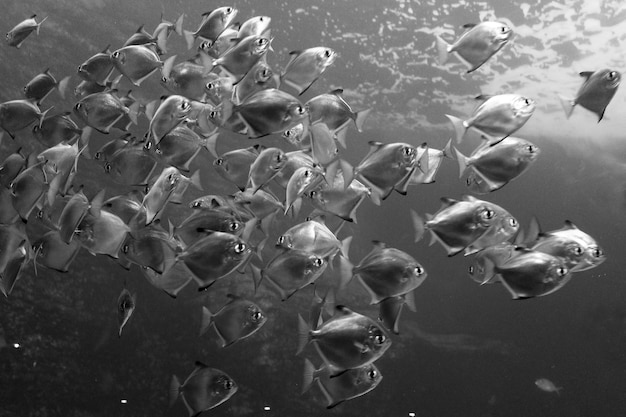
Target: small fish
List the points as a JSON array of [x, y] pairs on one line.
[[259, 77], [180, 146], [205, 388], [126, 206], [226, 40], [125, 309], [240, 59], [348, 340], [339, 200], [206, 221], [16, 36], [150, 247], [479, 43], [390, 309], [313, 237], [52, 252], [435, 157], [27, 189], [496, 255], [501, 163], [295, 160], [11, 167], [169, 186], [323, 145], [131, 165], [234, 166], [17, 114], [596, 92], [170, 113], [186, 79], [97, 68], [56, 129], [212, 25], [218, 89], [71, 216], [164, 29], [496, 118], [12, 272], [306, 66], [385, 272], [302, 182], [103, 110], [349, 385], [469, 224], [546, 385], [12, 236], [236, 320], [257, 25], [42, 85], [173, 279], [265, 167], [137, 62]]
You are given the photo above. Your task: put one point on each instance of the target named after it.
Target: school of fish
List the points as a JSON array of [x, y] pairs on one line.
[[229, 85]]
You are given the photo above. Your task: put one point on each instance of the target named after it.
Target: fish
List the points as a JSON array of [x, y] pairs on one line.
[[496, 118], [8, 214], [103, 110], [384, 272], [596, 92], [390, 309], [205, 388], [306, 66], [477, 44], [12, 236], [71, 216], [295, 159], [269, 111], [302, 182], [218, 89], [27, 189], [495, 254], [338, 200], [469, 224], [435, 158], [215, 256], [347, 340], [234, 166], [56, 129], [16, 36], [257, 25], [314, 237], [42, 84], [212, 25], [164, 29], [333, 110], [170, 113], [126, 303], [180, 146], [226, 40], [17, 114], [501, 163], [97, 68], [186, 79], [259, 77], [11, 167], [265, 167], [240, 59], [52, 252], [578, 249], [237, 319], [290, 271], [351, 384], [12, 272], [169, 186], [150, 247], [137, 62], [206, 221], [173, 280], [386, 167], [323, 147], [530, 273], [126, 206], [546, 385]]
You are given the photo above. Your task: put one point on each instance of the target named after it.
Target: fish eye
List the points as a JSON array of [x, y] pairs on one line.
[[185, 105], [611, 75], [503, 29], [308, 173], [229, 10], [148, 145], [78, 106], [512, 222], [527, 101], [115, 54], [125, 249], [471, 270], [281, 240], [206, 45], [164, 79], [561, 271], [488, 214], [240, 248], [418, 270], [218, 162], [257, 315], [196, 204], [597, 253], [407, 151], [578, 250], [233, 226], [372, 374], [97, 155], [40, 214], [107, 167], [261, 41], [210, 85], [318, 262], [530, 148], [300, 110], [380, 339], [312, 194], [327, 53]]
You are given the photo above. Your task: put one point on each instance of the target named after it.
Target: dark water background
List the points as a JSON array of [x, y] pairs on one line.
[[467, 351]]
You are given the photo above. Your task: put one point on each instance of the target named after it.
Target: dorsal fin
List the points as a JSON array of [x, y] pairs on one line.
[[586, 74], [343, 310], [469, 25], [447, 202]]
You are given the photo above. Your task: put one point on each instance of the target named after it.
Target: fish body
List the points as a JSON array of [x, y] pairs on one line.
[[131, 165], [302, 182], [71, 216], [16, 36], [56, 129], [215, 256], [238, 319], [136, 62], [387, 272], [435, 158], [388, 166], [102, 110], [150, 247], [333, 110], [170, 113], [169, 186], [390, 309], [349, 385], [125, 309], [97, 68], [12, 235], [27, 189], [347, 340], [234, 166], [11, 167], [270, 111], [497, 117], [480, 270], [205, 388], [311, 236], [17, 114], [469, 224], [546, 385], [102, 232], [501, 163], [180, 146], [171, 281], [206, 221], [42, 85], [596, 92], [339, 200], [295, 160], [306, 66], [187, 79], [226, 40], [292, 270], [52, 252], [212, 25], [12, 272], [257, 25], [266, 166], [239, 59], [479, 43], [259, 77]]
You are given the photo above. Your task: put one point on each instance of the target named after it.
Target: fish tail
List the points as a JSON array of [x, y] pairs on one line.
[[447, 151], [257, 276], [133, 112], [39, 24], [308, 376], [462, 160], [345, 245], [174, 390], [189, 38], [360, 118], [418, 225], [43, 115], [167, 66], [63, 86], [162, 41], [340, 136], [304, 334], [210, 143], [178, 27], [195, 180], [346, 271], [459, 127], [347, 171], [443, 49], [207, 319], [568, 105]]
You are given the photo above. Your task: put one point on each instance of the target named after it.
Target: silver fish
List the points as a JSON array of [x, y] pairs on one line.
[[52, 252], [234, 166], [137, 62], [125, 309], [56, 129], [103, 110], [97, 68], [169, 114], [546, 385], [42, 84], [17, 114], [239, 59], [596, 92], [236, 320], [206, 221], [266, 166], [212, 25], [16, 36], [306, 66]]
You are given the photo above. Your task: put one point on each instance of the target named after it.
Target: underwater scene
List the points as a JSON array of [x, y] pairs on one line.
[[306, 208]]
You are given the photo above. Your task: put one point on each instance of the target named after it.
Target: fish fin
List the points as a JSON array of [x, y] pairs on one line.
[[39, 24], [586, 74], [513, 293], [167, 66], [462, 161], [443, 50], [257, 276], [190, 38], [178, 27], [195, 180], [459, 127], [133, 112], [138, 81], [360, 118], [63, 86], [568, 105], [345, 243], [207, 320], [468, 25], [347, 171], [409, 300], [151, 108], [534, 231], [174, 390], [308, 376], [340, 136], [304, 334], [43, 116], [96, 203], [418, 225], [346, 269]]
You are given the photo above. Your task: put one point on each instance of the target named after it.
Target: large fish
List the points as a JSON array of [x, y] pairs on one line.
[[596, 92], [469, 224], [16, 36], [236, 320], [204, 389], [347, 340], [479, 43], [496, 118], [336, 389]]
